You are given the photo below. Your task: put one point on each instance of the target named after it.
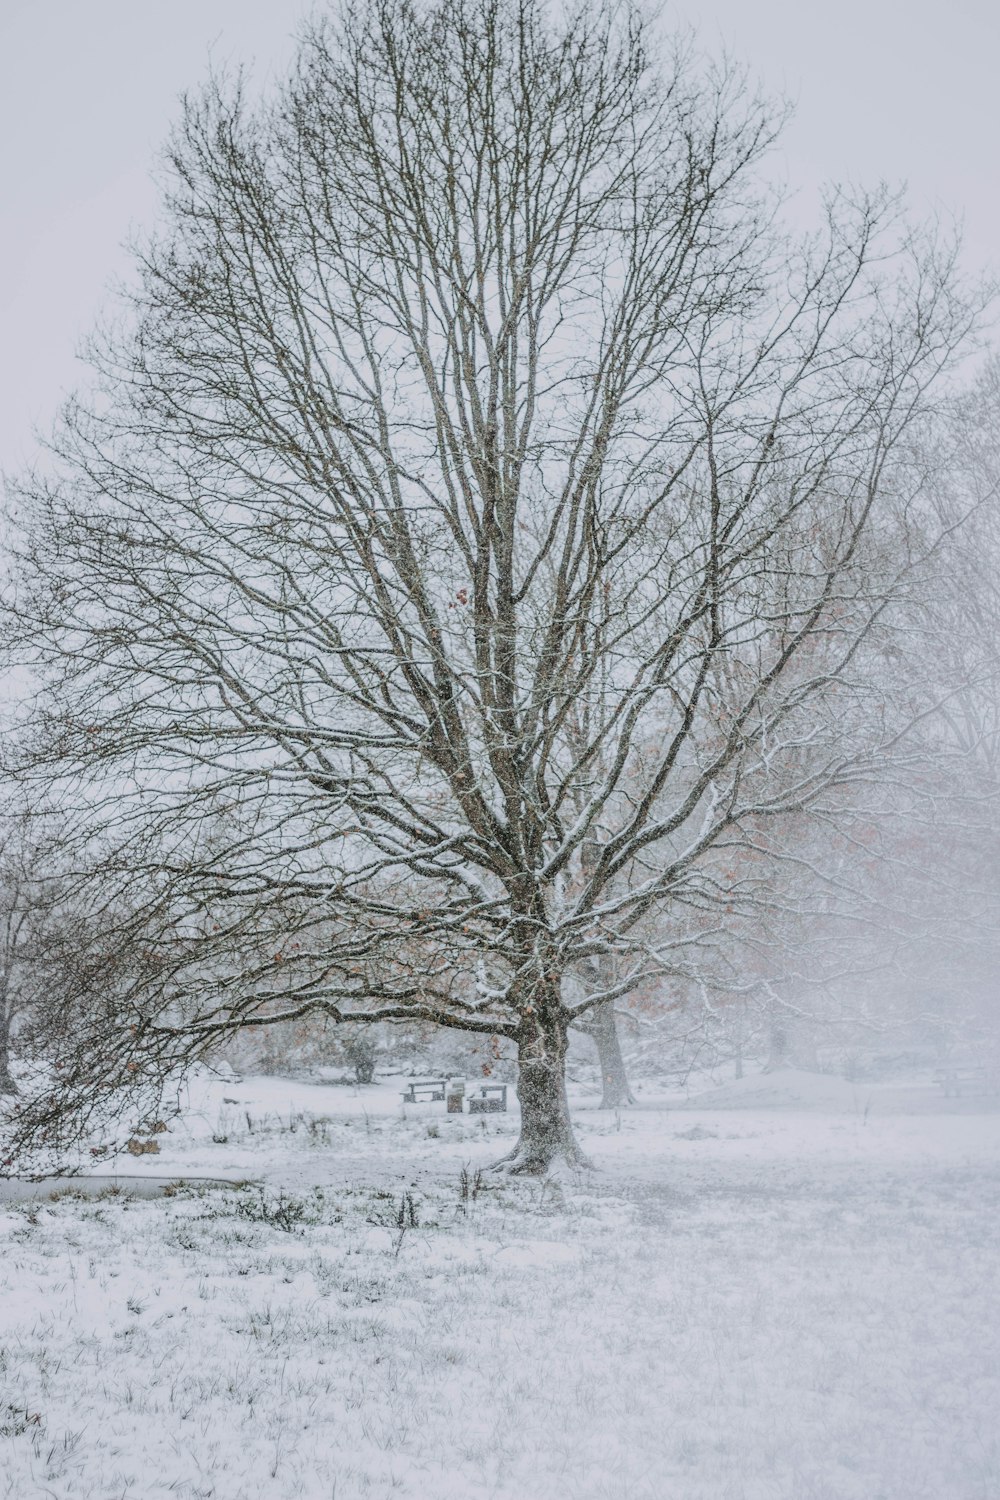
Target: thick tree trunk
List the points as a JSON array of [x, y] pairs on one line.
[[616, 1093], [546, 1129]]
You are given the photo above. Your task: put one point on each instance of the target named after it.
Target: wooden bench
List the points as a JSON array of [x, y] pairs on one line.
[[424, 1091], [490, 1100]]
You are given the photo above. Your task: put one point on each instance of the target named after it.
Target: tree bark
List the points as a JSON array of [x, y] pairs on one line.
[[546, 1128], [616, 1093]]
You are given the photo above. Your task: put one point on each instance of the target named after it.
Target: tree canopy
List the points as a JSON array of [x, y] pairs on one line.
[[473, 534]]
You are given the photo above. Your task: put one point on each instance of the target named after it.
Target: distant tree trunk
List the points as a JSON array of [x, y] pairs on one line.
[[777, 1052], [7, 1084], [546, 1128], [599, 1022], [791, 1045], [615, 1092], [360, 1054]]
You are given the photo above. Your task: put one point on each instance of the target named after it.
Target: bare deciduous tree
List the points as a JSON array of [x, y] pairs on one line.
[[468, 534], [39, 936], [52, 950]]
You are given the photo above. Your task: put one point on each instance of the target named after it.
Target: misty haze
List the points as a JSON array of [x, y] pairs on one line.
[[500, 822]]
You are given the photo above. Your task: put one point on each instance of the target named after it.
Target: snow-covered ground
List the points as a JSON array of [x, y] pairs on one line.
[[783, 1289]]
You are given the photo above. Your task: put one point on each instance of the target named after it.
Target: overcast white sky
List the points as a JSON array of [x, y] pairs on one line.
[[896, 89]]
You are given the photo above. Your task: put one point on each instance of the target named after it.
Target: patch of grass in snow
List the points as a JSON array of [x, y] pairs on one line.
[[15, 1420], [281, 1210]]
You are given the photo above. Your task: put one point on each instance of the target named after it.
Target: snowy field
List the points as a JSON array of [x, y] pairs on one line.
[[781, 1290]]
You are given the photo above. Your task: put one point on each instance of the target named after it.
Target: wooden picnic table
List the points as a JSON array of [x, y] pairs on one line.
[[965, 1078], [429, 1089], [490, 1099]]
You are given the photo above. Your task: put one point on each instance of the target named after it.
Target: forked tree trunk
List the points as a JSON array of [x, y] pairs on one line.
[[546, 1129], [615, 1092]]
